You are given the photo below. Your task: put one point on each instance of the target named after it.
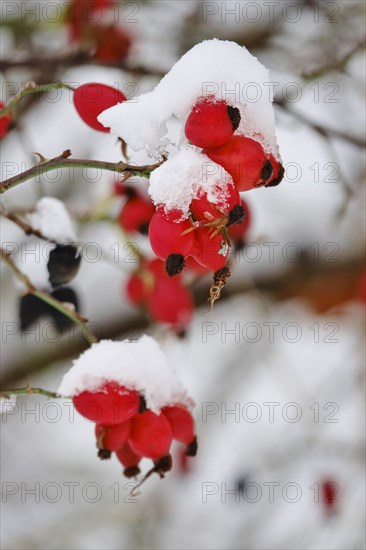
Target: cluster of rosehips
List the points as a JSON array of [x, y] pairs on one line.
[[126, 427], [166, 299], [88, 27], [205, 235]]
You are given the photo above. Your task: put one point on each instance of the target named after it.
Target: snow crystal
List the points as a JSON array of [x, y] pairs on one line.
[[8, 404], [141, 366], [213, 67], [51, 218], [177, 182]]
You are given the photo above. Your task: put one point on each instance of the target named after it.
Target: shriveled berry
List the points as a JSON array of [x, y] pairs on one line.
[[110, 404], [92, 99], [151, 435], [63, 264]]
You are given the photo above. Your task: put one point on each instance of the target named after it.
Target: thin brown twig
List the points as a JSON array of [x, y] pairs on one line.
[[63, 161], [28, 390], [28, 229]]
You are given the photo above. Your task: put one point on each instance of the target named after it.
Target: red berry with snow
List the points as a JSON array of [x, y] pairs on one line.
[[211, 123], [227, 204], [112, 437], [136, 214], [244, 159], [151, 435], [110, 404], [170, 242], [92, 99], [129, 460]]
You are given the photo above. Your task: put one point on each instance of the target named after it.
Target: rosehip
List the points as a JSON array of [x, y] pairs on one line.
[[169, 242], [210, 252], [228, 205], [92, 99], [171, 303], [329, 494], [136, 214], [211, 123], [151, 435], [112, 437], [4, 121], [112, 43], [181, 422], [129, 460], [244, 159], [110, 404]]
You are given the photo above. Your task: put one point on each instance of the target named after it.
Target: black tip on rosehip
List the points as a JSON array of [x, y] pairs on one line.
[[234, 115], [142, 405], [174, 264], [130, 192], [63, 264], [191, 449], [236, 215], [221, 275], [31, 309], [104, 454], [277, 181], [164, 464], [267, 170], [132, 471]]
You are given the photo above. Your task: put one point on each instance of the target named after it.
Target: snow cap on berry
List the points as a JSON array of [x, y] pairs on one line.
[[224, 66], [140, 366], [181, 178]]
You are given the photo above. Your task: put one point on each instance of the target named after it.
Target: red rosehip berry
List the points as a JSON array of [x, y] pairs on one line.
[[136, 214], [151, 435], [112, 437], [181, 422], [110, 404], [210, 251], [228, 208], [211, 123], [112, 43], [4, 122], [171, 303], [129, 460], [329, 491], [92, 99], [136, 289], [277, 174], [244, 159], [170, 242]]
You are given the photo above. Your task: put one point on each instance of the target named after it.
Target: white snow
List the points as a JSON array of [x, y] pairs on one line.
[[51, 218], [177, 182], [140, 366], [213, 67]]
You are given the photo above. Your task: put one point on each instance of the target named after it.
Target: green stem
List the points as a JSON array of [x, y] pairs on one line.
[[33, 88], [28, 390]]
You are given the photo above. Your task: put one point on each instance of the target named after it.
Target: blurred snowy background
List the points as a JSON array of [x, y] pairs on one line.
[[277, 370]]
